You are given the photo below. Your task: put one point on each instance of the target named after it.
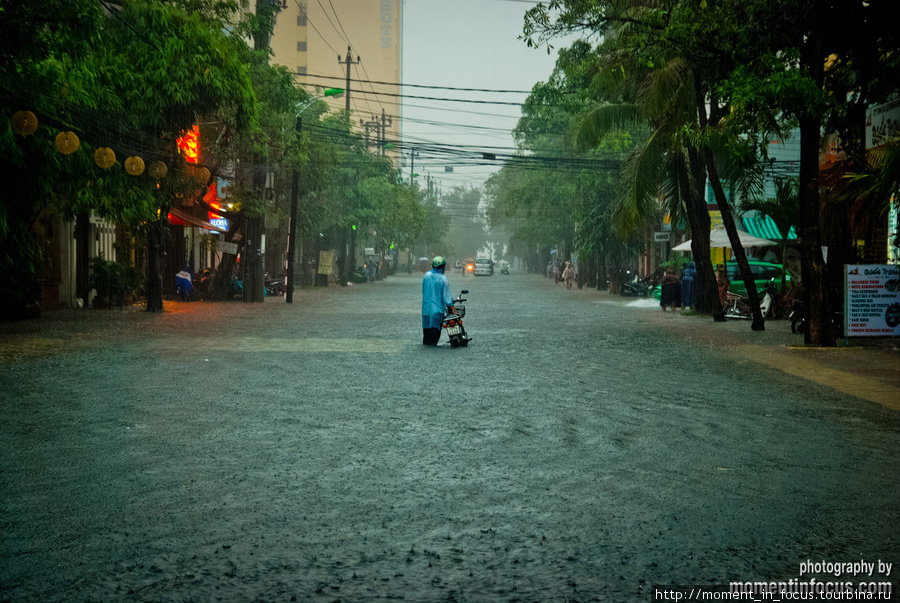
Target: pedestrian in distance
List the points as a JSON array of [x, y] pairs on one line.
[[557, 272], [669, 285], [568, 275], [371, 270], [688, 287], [723, 284], [436, 299]]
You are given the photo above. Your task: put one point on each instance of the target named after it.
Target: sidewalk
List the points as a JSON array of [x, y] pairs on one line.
[[867, 368]]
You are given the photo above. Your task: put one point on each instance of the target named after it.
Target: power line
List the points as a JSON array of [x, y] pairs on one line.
[[443, 99], [316, 29], [405, 85], [346, 37], [324, 12]]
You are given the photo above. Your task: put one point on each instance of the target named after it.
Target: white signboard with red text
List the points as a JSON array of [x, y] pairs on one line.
[[872, 300]]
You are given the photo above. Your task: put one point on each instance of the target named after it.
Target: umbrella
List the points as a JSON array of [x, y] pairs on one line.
[[719, 238]]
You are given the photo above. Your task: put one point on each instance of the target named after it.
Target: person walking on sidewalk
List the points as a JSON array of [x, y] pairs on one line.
[[568, 275], [688, 290], [436, 299], [669, 285]]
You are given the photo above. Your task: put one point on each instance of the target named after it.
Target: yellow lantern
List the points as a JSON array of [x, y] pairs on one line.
[[202, 175], [158, 170], [24, 123], [104, 157], [67, 142], [134, 166]]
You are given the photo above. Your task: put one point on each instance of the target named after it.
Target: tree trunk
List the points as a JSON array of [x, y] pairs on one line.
[[758, 323], [819, 330], [155, 234], [251, 259], [784, 263], [698, 217], [82, 257]]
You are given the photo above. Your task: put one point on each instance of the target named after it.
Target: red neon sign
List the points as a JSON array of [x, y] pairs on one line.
[[189, 145]]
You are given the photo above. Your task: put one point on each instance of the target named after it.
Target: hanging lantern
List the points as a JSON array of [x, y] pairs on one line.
[[134, 166], [105, 157], [67, 142], [24, 123], [158, 170], [202, 175]]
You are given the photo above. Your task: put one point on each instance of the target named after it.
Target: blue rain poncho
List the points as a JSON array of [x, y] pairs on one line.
[[688, 286], [435, 298]]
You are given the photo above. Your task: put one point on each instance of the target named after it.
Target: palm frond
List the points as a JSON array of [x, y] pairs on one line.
[[642, 180], [591, 126], [666, 91]]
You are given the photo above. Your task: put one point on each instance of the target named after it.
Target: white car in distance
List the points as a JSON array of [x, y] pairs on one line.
[[484, 267]]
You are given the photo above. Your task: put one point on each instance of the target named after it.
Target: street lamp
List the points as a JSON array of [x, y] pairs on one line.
[[295, 186]]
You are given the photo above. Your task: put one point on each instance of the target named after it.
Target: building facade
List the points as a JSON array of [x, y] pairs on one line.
[[321, 41]]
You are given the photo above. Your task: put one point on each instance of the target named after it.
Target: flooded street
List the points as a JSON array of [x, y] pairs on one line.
[[580, 449]]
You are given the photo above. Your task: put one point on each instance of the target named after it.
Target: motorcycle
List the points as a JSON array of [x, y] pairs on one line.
[[798, 320], [773, 304], [634, 288], [737, 306], [274, 286], [453, 322]]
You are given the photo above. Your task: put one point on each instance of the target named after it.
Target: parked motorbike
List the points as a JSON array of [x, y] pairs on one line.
[[737, 306], [798, 320], [203, 283], [274, 286], [773, 303], [635, 288], [453, 322]]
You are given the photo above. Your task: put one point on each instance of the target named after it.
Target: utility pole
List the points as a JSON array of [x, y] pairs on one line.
[[344, 266], [292, 229], [368, 125], [348, 62], [384, 118], [295, 193], [412, 164]]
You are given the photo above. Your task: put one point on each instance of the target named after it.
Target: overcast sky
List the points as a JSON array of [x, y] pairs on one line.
[[465, 44]]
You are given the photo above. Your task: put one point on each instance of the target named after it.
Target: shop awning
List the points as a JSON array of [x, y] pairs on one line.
[[193, 220], [719, 238], [763, 226]]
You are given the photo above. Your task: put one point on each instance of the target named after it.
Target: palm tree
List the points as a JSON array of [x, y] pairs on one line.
[[667, 166]]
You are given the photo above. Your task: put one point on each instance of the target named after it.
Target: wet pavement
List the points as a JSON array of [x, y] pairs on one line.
[[582, 448]]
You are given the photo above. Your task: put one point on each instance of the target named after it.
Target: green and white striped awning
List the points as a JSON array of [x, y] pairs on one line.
[[763, 227]]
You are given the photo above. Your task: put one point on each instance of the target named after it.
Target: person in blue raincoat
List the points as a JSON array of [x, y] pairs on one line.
[[688, 287], [435, 299]]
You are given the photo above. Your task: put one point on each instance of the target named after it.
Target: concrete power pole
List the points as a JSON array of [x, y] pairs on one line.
[[348, 62], [385, 121], [344, 266], [412, 164]]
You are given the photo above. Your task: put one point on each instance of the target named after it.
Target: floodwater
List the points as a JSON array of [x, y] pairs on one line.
[[577, 450]]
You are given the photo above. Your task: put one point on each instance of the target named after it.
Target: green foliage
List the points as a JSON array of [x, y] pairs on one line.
[[132, 79], [113, 281]]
